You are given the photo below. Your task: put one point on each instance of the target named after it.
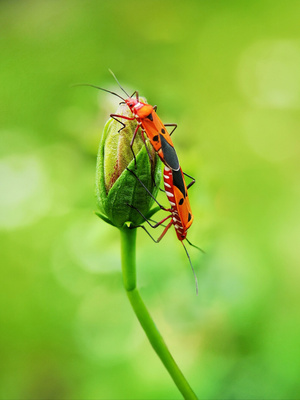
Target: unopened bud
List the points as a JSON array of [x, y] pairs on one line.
[[116, 187]]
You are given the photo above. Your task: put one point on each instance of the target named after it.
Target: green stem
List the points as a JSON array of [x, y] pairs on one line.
[[128, 250]]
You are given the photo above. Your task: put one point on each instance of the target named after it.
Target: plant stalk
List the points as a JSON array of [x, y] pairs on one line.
[[128, 251]]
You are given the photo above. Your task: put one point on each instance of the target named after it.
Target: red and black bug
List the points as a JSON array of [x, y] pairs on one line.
[[150, 124]]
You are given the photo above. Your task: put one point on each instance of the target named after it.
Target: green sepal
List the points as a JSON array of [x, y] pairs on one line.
[[128, 190], [100, 181], [104, 218]]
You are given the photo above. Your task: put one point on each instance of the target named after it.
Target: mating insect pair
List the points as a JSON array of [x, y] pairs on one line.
[[174, 183]]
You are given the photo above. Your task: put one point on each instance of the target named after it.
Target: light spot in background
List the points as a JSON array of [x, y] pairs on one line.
[[16, 141], [84, 249], [285, 240], [87, 126], [105, 328], [73, 120], [269, 74], [236, 278], [24, 196], [273, 135], [89, 242]]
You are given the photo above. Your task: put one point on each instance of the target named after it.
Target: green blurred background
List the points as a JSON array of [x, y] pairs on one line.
[[228, 72]]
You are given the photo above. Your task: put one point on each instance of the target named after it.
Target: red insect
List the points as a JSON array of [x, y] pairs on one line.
[[180, 211], [151, 126]]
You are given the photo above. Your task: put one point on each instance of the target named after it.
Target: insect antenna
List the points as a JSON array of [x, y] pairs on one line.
[[118, 82], [100, 88], [196, 280], [193, 245]]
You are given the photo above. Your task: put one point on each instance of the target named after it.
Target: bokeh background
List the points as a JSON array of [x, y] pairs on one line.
[[228, 72]]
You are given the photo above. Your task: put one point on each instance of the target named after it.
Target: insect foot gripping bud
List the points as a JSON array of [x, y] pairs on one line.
[[116, 187]]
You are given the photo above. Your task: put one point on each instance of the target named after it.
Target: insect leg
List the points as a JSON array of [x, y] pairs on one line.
[[150, 194], [165, 230], [152, 220], [147, 220], [121, 116], [131, 143], [123, 125], [191, 183], [150, 157], [141, 226], [161, 236], [174, 125]]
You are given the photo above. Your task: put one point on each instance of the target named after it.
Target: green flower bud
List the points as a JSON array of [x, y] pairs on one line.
[[116, 187]]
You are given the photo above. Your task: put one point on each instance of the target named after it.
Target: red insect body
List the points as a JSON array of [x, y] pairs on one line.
[[176, 191], [181, 213], [154, 129]]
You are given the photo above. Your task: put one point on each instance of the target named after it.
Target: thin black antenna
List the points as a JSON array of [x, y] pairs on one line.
[[193, 245], [100, 88], [118, 82], [196, 280]]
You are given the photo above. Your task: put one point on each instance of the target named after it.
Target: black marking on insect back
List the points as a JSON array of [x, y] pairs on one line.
[[170, 156], [189, 217], [178, 182], [181, 201], [155, 138], [150, 117], [162, 130]]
